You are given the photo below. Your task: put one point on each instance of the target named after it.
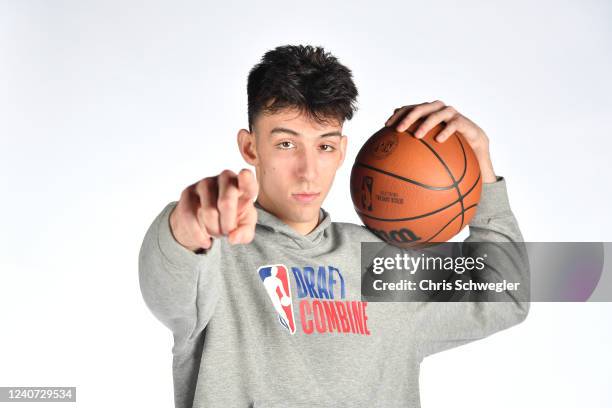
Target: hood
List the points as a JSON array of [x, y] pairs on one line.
[[270, 225]]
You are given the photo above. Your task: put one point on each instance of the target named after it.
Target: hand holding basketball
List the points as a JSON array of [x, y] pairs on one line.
[[216, 206], [434, 113]]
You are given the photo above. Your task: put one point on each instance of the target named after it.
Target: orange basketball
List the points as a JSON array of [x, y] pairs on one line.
[[415, 192]]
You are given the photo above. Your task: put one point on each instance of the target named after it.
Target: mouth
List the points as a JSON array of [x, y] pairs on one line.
[[305, 197]]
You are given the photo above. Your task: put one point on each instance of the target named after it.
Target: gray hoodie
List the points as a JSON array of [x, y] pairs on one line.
[[279, 322]]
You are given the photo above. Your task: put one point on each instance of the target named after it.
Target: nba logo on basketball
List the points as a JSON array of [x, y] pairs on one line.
[[366, 193], [276, 282]]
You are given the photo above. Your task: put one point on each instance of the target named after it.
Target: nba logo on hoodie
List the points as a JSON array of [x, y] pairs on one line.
[[276, 282]]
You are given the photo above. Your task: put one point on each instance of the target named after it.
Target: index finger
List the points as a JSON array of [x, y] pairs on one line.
[[417, 113], [247, 185], [397, 113]]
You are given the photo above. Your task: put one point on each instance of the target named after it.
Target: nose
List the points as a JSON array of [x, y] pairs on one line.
[[306, 165]]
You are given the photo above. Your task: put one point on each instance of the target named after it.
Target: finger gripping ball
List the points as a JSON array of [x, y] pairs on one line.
[[415, 192]]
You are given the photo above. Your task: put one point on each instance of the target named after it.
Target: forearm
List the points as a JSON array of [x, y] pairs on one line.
[[494, 231], [171, 282]]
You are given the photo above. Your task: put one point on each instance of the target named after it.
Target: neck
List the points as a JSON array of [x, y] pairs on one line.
[[303, 228]]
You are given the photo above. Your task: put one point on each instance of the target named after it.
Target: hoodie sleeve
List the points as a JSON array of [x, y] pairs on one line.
[[445, 325], [178, 285]]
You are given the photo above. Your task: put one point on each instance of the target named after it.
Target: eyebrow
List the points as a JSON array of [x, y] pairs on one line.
[[294, 133]]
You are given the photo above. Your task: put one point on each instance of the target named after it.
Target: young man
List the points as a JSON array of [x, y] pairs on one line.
[[262, 291]]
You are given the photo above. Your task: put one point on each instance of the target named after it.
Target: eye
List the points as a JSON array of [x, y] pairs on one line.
[[285, 145], [327, 148]]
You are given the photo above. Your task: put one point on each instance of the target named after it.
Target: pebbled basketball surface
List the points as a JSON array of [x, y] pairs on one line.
[[415, 191]]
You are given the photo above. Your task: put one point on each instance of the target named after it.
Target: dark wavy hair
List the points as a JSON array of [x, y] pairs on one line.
[[304, 77]]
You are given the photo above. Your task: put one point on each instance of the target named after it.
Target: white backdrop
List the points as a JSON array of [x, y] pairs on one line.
[[108, 109]]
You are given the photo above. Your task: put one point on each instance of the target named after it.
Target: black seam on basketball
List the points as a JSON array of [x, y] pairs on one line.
[[422, 215], [448, 223], [450, 173], [464, 171], [367, 166], [464, 160]]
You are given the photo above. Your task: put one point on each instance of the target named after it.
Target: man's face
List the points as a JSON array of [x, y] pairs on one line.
[[296, 160]]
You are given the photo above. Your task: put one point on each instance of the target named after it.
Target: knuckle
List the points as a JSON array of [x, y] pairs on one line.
[[433, 117], [205, 181], [185, 194], [202, 186], [226, 173]]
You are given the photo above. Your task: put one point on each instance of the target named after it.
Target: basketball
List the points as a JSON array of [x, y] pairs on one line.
[[415, 192]]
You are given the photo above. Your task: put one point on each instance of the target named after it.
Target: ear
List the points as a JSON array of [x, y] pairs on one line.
[[246, 145], [343, 143]]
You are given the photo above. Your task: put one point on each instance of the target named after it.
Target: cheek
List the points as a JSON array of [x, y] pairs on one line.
[[279, 166], [276, 174], [268, 164], [329, 166]]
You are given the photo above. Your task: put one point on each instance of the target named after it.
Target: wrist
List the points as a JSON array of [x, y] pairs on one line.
[[481, 150], [486, 167]]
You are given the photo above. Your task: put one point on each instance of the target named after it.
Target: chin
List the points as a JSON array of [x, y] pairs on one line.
[[305, 212]]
